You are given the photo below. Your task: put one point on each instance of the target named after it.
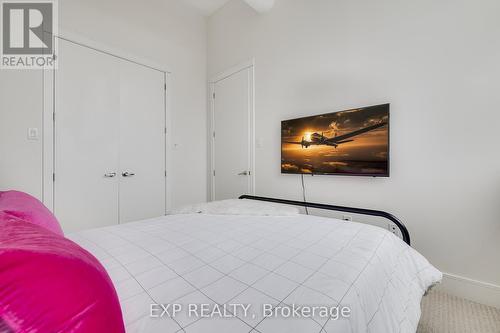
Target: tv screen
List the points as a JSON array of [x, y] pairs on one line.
[[351, 142]]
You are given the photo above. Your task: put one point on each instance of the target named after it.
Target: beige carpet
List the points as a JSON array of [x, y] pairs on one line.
[[443, 313]]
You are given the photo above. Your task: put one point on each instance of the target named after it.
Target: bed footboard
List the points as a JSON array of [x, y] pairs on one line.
[[363, 211]]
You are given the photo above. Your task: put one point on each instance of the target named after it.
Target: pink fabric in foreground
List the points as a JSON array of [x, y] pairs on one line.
[[30, 209], [50, 284]]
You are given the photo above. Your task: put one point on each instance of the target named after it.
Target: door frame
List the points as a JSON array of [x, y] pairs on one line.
[[250, 64], [49, 122]]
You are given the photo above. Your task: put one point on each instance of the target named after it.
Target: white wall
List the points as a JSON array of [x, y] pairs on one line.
[[436, 62], [21, 106], [164, 32]]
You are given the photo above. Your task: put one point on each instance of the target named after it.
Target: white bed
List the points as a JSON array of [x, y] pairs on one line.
[[279, 260]]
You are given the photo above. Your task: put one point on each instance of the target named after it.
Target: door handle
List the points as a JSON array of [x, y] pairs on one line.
[[244, 173], [110, 175], [128, 174]]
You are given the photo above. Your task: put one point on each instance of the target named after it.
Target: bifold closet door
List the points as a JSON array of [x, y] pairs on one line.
[[142, 142], [86, 138]]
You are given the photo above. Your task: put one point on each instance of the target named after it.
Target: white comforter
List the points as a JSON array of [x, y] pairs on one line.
[[282, 261]]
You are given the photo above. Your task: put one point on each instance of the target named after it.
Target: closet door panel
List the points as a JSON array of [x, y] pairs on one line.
[[86, 138], [142, 142]]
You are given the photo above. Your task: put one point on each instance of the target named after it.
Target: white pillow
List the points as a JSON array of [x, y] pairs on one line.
[[239, 207]]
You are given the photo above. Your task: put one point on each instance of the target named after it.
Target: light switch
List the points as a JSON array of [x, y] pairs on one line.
[[32, 133]]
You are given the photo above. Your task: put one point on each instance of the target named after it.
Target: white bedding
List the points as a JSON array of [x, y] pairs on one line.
[[293, 260], [239, 207]]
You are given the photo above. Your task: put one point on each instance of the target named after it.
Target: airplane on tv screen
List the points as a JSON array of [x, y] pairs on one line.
[[319, 139]]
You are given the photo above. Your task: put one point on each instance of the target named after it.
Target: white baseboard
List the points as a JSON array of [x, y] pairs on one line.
[[477, 291]]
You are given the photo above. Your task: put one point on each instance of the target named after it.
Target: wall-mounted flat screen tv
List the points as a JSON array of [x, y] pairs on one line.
[[351, 142]]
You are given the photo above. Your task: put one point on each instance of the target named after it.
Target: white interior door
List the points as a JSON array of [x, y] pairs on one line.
[[142, 142], [232, 143], [86, 138], [109, 139]]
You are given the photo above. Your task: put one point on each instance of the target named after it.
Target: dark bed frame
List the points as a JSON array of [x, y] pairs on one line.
[[402, 228]]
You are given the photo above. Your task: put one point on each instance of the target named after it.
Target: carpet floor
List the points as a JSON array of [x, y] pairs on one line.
[[443, 313]]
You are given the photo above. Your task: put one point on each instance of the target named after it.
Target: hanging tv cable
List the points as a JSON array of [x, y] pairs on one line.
[[304, 193]]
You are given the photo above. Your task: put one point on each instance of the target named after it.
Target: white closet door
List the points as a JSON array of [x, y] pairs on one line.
[[232, 142], [87, 138], [142, 142]]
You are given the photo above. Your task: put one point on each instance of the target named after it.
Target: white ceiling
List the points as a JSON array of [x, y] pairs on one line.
[[207, 7]]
